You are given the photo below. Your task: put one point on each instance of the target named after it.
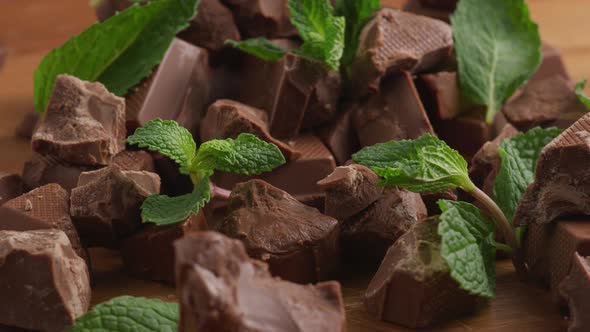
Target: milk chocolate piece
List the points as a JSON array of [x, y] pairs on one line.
[[105, 206], [419, 8], [395, 41], [44, 284], [42, 170], [134, 161], [221, 289], [413, 286], [27, 125], [263, 18], [546, 102], [149, 254], [340, 137], [440, 94], [350, 190], [11, 186], [299, 243], [552, 64], [395, 113], [227, 119], [84, 123], [465, 133], [179, 89], [562, 178], [576, 289], [536, 251]]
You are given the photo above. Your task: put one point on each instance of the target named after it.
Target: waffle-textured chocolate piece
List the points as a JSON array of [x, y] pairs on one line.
[[11, 186], [41, 170], [576, 289], [267, 18], [84, 123]]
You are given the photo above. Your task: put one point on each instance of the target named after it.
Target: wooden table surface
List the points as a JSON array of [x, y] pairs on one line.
[[30, 28]]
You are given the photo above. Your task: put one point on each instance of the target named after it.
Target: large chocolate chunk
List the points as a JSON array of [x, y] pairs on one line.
[[552, 64], [576, 289], [562, 178], [11, 186], [221, 289], [395, 113], [266, 18], [44, 284], [179, 89], [42, 170], [84, 123], [340, 137], [134, 161], [395, 41], [298, 242], [149, 254], [350, 190], [413, 286], [105, 204], [546, 102], [227, 119]]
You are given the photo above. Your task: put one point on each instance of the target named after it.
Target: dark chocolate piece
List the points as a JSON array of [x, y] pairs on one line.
[[149, 254], [340, 137], [42, 170], [440, 4], [299, 243], [431, 199], [27, 125], [395, 41], [44, 284], [221, 289], [105, 206], [576, 289], [547, 102], [465, 133], [227, 119], [562, 178], [552, 64], [84, 123], [11, 186], [413, 286], [173, 182], [179, 89], [134, 161], [395, 113], [263, 18], [350, 190]]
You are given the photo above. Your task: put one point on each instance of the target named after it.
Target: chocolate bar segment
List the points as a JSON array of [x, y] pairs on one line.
[[11, 186], [84, 123], [221, 289], [576, 289], [42, 170], [44, 284], [263, 18], [298, 242]]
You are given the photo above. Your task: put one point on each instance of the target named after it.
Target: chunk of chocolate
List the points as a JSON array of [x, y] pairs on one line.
[[395, 113], [340, 137], [105, 206], [221, 289], [576, 289], [134, 161], [27, 125], [44, 284], [431, 199], [441, 95], [227, 119], [298, 242], [465, 133], [535, 247], [420, 8], [84, 123], [546, 102], [413, 286], [562, 178], [179, 89], [350, 190], [552, 64], [11, 186], [149, 254], [42, 170], [395, 41], [266, 18]]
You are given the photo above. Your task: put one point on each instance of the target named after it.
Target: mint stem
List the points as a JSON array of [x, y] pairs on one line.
[[219, 192]]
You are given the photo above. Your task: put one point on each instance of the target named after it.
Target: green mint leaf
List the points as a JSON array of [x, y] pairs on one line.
[[168, 138], [519, 156], [163, 210], [357, 13], [321, 31], [247, 155], [580, 93], [498, 49], [426, 164], [467, 245], [127, 313], [259, 47], [119, 52]]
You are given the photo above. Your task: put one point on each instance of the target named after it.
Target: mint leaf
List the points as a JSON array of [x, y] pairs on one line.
[[519, 156], [167, 138], [356, 13], [321, 31], [498, 49], [119, 52], [259, 47], [163, 210], [467, 245], [247, 154], [126, 313], [426, 164], [580, 86]]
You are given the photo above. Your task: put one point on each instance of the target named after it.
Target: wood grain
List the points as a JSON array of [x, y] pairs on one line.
[[29, 28]]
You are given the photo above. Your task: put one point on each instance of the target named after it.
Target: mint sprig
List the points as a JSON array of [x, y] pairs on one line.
[[247, 155], [356, 13], [498, 49], [119, 52], [127, 313], [579, 89], [259, 47]]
